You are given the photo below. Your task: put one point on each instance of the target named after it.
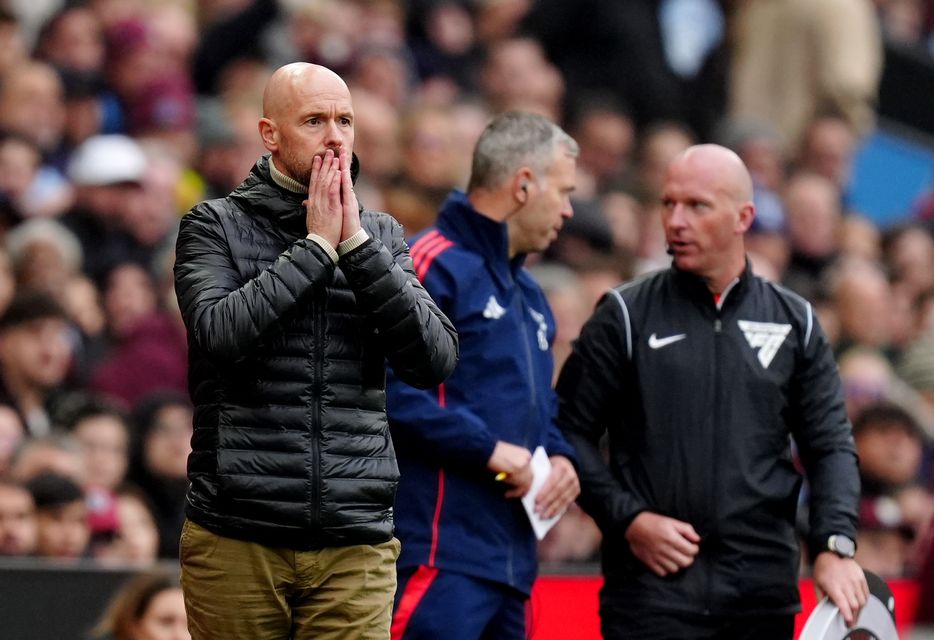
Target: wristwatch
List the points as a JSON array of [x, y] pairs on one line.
[[842, 546]]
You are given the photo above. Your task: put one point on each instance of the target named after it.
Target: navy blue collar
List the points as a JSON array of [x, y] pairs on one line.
[[459, 221]]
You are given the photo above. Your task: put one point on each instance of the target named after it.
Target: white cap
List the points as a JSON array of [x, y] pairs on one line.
[[107, 159]]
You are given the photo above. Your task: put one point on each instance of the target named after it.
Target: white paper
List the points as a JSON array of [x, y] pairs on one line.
[[541, 467]]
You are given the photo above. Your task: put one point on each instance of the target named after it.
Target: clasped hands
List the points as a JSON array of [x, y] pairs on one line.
[[331, 209]]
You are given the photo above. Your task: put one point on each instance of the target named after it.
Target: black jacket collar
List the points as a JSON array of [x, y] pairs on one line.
[[264, 197], [696, 287]]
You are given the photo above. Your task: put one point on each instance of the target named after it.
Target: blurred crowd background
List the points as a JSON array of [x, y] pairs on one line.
[[116, 116]]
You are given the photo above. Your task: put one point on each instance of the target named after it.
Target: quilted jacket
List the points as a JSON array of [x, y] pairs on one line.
[[287, 355]]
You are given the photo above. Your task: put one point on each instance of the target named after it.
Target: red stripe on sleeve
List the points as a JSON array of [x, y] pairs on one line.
[[425, 250], [424, 244], [421, 242], [425, 263]]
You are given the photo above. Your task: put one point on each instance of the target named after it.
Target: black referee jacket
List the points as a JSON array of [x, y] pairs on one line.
[[701, 403]]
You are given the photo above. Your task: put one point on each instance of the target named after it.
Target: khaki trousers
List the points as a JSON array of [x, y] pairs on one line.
[[237, 590]]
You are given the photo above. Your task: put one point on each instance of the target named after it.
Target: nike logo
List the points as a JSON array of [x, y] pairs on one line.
[[658, 343]]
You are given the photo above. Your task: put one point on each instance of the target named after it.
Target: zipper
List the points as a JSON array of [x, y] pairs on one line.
[[714, 476], [530, 364], [533, 396], [533, 399], [318, 328]]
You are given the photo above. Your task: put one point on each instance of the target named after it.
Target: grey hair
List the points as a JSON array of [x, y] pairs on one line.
[[512, 140], [44, 230]]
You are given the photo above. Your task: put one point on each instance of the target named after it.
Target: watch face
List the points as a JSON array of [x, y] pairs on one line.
[[843, 546]]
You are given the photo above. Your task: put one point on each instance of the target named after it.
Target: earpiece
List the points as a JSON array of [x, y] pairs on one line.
[[525, 187]]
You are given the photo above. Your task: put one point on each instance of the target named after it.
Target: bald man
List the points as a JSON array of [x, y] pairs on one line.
[[295, 297], [702, 374]]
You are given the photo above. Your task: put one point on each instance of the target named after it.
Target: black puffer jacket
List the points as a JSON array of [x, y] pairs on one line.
[[287, 358]]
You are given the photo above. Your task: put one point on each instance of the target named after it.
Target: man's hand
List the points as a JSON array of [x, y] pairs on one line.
[[514, 461], [664, 544], [324, 215], [843, 581], [351, 209], [560, 489]]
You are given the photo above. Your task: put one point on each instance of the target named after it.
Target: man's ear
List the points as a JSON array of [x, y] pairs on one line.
[[747, 214], [521, 180], [269, 133]]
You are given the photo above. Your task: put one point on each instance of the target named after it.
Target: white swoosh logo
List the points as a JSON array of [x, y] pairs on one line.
[[658, 343]]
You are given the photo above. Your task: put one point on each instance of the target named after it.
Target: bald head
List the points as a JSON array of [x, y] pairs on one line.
[[291, 82], [307, 110], [721, 167], [707, 208]]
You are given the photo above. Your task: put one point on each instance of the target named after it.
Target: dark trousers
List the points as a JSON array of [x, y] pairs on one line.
[[624, 621], [443, 605]]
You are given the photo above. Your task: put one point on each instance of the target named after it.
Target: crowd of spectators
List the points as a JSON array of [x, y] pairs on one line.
[[116, 116]]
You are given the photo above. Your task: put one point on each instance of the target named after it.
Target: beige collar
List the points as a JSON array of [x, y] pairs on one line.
[[285, 181]]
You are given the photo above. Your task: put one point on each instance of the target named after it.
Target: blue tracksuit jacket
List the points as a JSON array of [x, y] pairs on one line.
[[450, 513]]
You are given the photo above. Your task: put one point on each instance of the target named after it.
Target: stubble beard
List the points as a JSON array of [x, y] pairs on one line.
[[296, 169]]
